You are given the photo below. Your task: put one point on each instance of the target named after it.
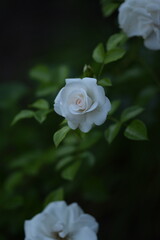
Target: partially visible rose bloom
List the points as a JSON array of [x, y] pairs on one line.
[[83, 103], [141, 18], [61, 222]]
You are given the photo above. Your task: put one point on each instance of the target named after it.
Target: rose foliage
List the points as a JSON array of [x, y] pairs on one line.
[[86, 131]]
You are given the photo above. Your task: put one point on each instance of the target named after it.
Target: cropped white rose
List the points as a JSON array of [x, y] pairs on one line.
[[141, 18], [61, 222], [83, 103]]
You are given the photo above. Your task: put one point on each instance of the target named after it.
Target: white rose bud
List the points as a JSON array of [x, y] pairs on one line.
[[141, 18], [83, 103], [59, 221]]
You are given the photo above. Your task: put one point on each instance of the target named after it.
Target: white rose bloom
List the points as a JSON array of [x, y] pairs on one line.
[[141, 18], [83, 103], [61, 222]]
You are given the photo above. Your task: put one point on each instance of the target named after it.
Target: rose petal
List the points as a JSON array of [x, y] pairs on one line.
[[58, 104], [40, 237], [80, 101], [58, 219], [85, 220], [73, 212], [78, 108], [100, 97], [89, 81], [129, 18], [141, 18], [95, 92], [93, 106], [153, 7], [72, 80], [67, 93], [39, 225], [85, 126], [153, 41], [100, 114], [74, 120], [56, 209], [146, 26], [85, 234], [70, 88], [73, 125]]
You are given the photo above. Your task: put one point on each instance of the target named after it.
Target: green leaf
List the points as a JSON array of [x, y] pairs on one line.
[[41, 115], [17, 201], [89, 158], [63, 162], [13, 181], [63, 123], [70, 172], [99, 53], [60, 135], [114, 106], [112, 132], [56, 195], [40, 104], [109, 8], [11, 93], [22, 115], [40, 73], [147, 94], [65, 150], [46, 90], [89, 140], [62, 73], [105, 82], [130, 113], [114, 55], [136, 130], [115, 40]]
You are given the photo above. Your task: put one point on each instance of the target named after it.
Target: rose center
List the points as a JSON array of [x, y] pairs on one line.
[[78, 101], [55, 235]]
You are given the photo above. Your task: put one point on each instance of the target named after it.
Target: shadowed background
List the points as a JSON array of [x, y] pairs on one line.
[[119, 183]]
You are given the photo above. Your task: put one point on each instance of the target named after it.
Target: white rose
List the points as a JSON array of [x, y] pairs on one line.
[[83, 103], [61, 222], [141, 18]]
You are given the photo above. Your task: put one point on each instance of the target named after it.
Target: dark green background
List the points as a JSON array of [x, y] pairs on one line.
[[122, 188]]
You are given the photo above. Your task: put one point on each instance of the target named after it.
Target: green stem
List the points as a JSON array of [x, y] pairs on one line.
[[112, 118], [100, 70]]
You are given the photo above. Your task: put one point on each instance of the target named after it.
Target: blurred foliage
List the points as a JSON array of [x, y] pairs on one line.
[[107, 171]]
